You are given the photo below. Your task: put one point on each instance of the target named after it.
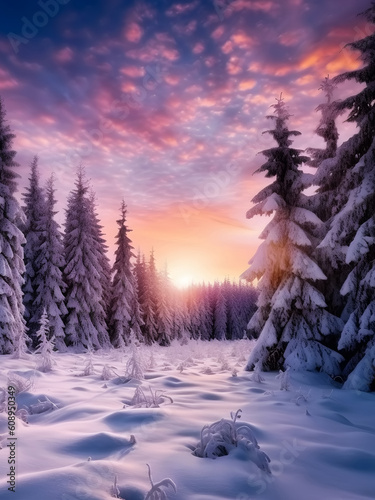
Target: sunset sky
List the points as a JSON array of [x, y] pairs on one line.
[[164, 103]]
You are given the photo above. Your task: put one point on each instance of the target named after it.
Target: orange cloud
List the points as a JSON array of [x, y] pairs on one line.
[[247, 85]]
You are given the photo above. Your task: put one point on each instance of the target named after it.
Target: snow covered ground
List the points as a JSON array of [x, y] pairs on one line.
[[320, 439]]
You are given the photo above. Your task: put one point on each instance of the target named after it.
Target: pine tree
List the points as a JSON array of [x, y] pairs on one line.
[[352, 228], [220, 314], [35, 211], [124, 294], [206, 317], [104, 265], [147, 283], [320, 202], [49, 262], [85, 323], [291, 321], [12, 324], [164, 320]]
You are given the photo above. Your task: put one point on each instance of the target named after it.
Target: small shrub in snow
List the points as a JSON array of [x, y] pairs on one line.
[[114, 491], [301, 398], [207, 370], [284, 378], [45, 348], [20, 384], [181, 367], [108, 373], [88, 368], [157, 489], [225, 366], [23, 415], [220, 438], [234, 372], [134, 366], [257, 375], [151, 361], [152, 400], [42, 407]]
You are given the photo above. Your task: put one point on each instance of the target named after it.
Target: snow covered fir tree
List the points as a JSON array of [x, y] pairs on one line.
[[12, 323], [292, 322], [349, 244], [124, 315], [34, 210], [85, 325]]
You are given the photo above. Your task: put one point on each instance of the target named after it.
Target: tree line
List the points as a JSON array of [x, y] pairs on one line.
[[64, 280]]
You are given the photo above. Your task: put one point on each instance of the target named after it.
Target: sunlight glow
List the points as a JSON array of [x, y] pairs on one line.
[[183, 281]]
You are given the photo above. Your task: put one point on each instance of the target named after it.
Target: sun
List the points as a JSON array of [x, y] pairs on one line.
[[183, 281]]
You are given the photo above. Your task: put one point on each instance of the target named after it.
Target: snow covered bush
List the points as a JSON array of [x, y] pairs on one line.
[[157, 489], [135, 366], [45, 348], [108, 373], [284, 378], [220, 438], [257, 377], [89, 368], [20, 384], [42, 406], [152, 400]]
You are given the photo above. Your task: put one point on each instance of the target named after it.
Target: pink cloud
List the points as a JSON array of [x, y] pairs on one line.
[[172, 79], [133, 32], [180, 8], [234, 66], [227, 47], [64, 55], [218, 32], [132, 71], [257, 5], [6, 81], [290, 38], [198, 48], [161, 46]]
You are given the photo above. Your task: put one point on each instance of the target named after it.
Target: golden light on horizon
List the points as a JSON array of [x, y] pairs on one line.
[[182, 281]]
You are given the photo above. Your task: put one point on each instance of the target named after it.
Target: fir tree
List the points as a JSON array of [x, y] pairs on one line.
[[35, 211], [291, 321], [164, 320], [147, 282], [85, 323], [220, 314], [206, 317], [124, 294], [352, 227], [12, 325], [104, 265], [320, 203], [49, 263]]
